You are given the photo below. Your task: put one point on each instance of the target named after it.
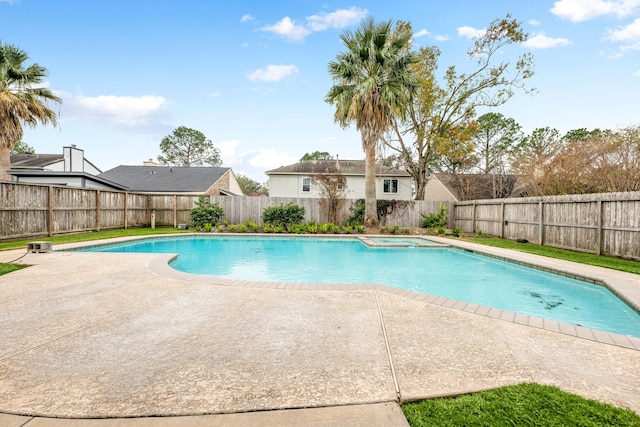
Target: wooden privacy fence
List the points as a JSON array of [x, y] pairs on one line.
[[607, 223], [239, 210], [28, 210]]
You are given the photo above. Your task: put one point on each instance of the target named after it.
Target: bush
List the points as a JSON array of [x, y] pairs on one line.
[[357, 213], [283, 215], [205, 213], [435, 220]]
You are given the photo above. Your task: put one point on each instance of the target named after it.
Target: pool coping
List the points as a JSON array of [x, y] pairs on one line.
[[625, 286]]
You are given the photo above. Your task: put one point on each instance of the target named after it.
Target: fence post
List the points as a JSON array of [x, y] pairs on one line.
[[541, 228], [175, 211], [97, 210], [50, 211], [502, 220], [599, 230], [473, 219], [126, 213]]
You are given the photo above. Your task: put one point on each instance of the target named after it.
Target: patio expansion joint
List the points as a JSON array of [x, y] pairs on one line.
[[388, 347]]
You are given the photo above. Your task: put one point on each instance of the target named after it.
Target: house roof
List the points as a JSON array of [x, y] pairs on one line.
[[52, 176], [342, 167], [165, 178], [481, 186], [34, 161]]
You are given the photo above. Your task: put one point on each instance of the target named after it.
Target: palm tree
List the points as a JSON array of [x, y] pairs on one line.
[[372, 83], [22, 100]]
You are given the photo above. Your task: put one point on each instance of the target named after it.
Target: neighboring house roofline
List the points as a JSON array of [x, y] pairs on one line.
[[61, 174], [334, 167]]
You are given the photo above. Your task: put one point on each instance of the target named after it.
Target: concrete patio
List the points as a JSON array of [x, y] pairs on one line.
[[107, 335]]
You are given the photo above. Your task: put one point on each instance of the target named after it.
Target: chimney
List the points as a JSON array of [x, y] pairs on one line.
[[149, 162]]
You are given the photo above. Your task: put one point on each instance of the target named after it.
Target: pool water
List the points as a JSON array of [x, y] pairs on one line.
[[446, 272]]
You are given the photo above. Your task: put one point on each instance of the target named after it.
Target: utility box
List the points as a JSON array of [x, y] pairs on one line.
[[39, 247], [182, 226]]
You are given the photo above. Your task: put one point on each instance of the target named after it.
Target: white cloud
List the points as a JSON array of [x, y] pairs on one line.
[[583, 10], [421, 33], [214, 94], [288, 30], [272, 73], [10, 1], [295, 33], [533, 22], [628, 36], [228, 151], [541, 41], [441, 38], [637, 74], [339, 19], [630, 33], [121, 111], [470, 32], [247, 18], [270, 159]]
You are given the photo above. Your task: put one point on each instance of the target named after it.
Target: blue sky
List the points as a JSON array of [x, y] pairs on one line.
[[252, 75]]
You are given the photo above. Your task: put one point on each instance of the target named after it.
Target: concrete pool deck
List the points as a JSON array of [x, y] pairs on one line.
[[108, 335]]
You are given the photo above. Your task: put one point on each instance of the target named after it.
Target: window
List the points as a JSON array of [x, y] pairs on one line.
[[306, 185], [390, 185]]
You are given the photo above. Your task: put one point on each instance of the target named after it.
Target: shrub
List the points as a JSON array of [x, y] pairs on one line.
[[456, 231], [233, 228], [252, 226], [434, 220], [440, 230], [283, 215], [357, 213], [205, 212], [208, 227]]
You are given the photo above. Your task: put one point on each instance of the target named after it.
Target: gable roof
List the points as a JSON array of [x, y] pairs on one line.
[[481, 186], [34, 161], [165, 178], [342, 167]]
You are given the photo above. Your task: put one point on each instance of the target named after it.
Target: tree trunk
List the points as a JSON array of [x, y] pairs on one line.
[[5, 163], [370, 202]]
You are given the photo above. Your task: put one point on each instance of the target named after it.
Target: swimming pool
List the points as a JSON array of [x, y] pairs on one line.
[[441, 271]]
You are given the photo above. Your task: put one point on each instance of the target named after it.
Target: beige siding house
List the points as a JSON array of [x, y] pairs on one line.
[[459, 187], [297, 180]]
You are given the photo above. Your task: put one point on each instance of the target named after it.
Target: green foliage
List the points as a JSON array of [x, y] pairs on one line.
[[205, 212], [316, 155], [440, 230], [242, 228], [24, 98], [8, 268], [283, 215], [233, 228], [518, 405], [357, 213], [208, 227], [188, 147], [434, 220], [456, 231], [252, 226], [22, 148], [250, 187]]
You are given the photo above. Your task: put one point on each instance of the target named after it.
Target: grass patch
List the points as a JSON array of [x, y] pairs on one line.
[[519, 405], [8, 268], [629, 266], [92, 235]]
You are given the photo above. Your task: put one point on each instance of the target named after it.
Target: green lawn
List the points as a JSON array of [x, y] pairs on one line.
[[8, 268], [93, 235], [518, 405], [627, 265]]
